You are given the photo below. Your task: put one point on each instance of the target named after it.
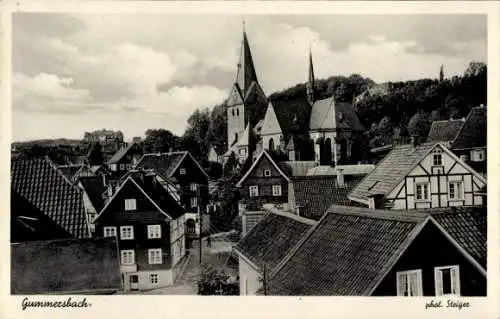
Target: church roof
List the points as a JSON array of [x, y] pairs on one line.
[[327, 114], [246, 69], [292, 114]]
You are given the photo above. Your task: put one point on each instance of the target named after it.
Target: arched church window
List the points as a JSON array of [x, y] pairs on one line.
[[237, 112], [235, 136], [233, 112], [271, 144]]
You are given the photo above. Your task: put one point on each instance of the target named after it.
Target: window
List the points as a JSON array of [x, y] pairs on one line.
[[447, 280], [437, 159], [113, 167], [267, 172], [477, 155], [271, 145], [126, 232], [276, 190], [409, 283], [464, 158], [242, 151], [154, 231], [254, 191], [182, 171], [122, 167], [193, 187], [130, 204], [235, 137], [127, 257], [194, 202], [237, 112], [422, 191], [109, 231], [128, 166], [154, 256], [233, 112], [455, 191], [153, 278]]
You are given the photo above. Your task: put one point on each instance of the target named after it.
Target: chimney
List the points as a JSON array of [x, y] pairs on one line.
[[415, 140], [110, 190], [104, 181], [340, 177]]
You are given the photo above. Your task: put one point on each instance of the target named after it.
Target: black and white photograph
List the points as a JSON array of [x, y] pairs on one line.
[[245, 154]]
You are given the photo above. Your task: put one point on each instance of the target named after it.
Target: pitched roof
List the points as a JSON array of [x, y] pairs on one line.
[[468, 227], [165, 164], [44, 186], [389, 172], [473, 132], [360, 169], [315, 194], [296, 168], [120, 153], [292, 114], [256, 162], [246, 74], [346, 253], [65, 266], [94, 187], [271, 239], [328, 114], [444, 131], [69, 171]]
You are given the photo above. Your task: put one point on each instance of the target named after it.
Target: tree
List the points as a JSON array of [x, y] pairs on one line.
[[215, 170], [160, 140], [230, 166], [195, 139], [441, 73], [95, 156], [419, 124]]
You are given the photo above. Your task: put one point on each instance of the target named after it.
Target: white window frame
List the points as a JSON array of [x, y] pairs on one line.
[[427, 194], [464, 157], [154, 279], [194, 202], [477, 155], [182, 171], [267, 173], [437, 155], [130, 204], [455, 282], [124, 232], [128, 166], [253, 191], [276, 190], [243, 151], [154, 231], [109, 231], [155, 256], [125, 259], [193, 187], [408, 275], [114, 167], [122, 167], [460, 193]]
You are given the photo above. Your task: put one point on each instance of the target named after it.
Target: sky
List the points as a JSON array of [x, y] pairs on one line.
[[133, 72]]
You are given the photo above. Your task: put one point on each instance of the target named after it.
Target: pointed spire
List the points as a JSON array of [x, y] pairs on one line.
[[246, 70], [310, 82]]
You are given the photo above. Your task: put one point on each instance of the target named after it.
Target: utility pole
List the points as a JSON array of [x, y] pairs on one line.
[[264, 281], [198, 205]]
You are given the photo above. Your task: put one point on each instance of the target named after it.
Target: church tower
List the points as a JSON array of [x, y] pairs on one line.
[[245, 99], [310, 82]]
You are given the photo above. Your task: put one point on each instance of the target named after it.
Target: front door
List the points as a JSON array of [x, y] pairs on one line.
[[134, 282]]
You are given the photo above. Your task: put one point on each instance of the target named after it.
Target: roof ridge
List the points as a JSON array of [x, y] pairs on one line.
[[404, 216], [290, 215]]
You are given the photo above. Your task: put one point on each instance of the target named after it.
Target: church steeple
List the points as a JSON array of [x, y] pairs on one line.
[[310, 81], [246, 70]]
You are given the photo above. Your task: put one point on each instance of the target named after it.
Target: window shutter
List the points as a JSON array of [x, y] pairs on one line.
[[455, 280], [438, 282], [402, 283]]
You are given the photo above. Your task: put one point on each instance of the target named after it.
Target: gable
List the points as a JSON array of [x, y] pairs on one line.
[[234, 97], [270, 124], [194, 172], [262, 163]]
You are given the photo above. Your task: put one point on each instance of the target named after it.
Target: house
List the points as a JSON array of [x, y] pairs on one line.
[[470, 144], [347, 170], [445, 131], [41, 184], [187, 181], [413, 176], [124, 159], [267, 243], [65, 266], [305, 128], [74, 172], [95, 195], [354, 251], [214, 155], [103, 136], [149, 226]]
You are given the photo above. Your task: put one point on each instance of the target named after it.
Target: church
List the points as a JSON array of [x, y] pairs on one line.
[[303, 128]]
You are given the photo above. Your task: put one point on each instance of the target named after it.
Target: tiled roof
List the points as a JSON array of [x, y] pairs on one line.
[[69, 171], [473, 132], [94, 188], [163, 163], [65, 266], [272, 238], [28, 223], [346, 253], [44, 186], [389, 172], [314, 194], [467, 225], [252, 219], [444, 131], [296, 168], [328, 114]]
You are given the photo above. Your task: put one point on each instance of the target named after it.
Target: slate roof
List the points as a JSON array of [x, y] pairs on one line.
[[271, 239], [292, 114], [296, 168], [94, 188], [315, 194], [473, 132], [389, 172], [44, 186], [444, 131], [163, 163], [328, 114], [65, 266], [251, 219], [346, 253]]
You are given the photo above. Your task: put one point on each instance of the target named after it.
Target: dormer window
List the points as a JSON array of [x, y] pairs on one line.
[[437, 159], [130, 204]]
